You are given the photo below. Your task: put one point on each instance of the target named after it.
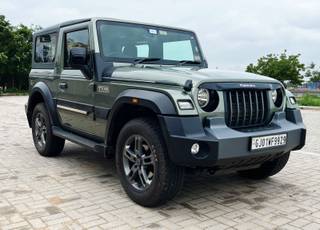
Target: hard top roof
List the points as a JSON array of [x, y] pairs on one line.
[[63, 24], [77, 21]]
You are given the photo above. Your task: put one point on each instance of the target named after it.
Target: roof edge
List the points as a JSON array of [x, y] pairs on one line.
[[63, 24]]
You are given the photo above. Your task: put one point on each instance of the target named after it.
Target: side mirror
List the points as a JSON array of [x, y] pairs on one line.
[[78, 57], [79, 60], [285, 84]]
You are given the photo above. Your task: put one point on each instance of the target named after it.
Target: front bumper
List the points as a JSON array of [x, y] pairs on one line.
[[223, 147]]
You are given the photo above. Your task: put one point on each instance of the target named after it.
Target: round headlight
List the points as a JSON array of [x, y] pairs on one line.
[[277, 97], [208, 99], [274, 95], [203, 97]]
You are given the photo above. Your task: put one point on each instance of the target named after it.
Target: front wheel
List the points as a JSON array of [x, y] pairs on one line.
[[267, 169], [146, 172], [45, 142]]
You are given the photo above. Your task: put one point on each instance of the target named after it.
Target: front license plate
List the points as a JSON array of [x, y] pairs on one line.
[[268, 141]]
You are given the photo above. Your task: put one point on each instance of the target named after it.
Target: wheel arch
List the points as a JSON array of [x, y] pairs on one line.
[[133, 104], [40, 93]]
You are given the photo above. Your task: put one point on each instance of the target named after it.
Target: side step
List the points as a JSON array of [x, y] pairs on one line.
[[95, 146]]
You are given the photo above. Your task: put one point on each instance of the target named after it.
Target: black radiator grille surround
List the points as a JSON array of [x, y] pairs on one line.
[[246, 108]]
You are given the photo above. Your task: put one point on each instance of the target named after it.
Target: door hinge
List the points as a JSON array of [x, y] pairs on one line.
[[93, 85]]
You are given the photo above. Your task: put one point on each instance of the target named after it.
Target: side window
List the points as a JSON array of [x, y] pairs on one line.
[[45, 48], [79, 38]]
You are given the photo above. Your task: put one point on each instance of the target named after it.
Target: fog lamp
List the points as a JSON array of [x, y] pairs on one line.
[[195, 148]]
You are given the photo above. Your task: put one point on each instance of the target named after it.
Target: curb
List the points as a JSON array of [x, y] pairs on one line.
[[308, 153], [310, 107], [13, 95]]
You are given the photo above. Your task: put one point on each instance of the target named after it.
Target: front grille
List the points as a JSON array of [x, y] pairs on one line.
[[246, 108]]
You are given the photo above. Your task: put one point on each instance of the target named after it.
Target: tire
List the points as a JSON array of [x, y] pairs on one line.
[[267, 169], [166, 177], [45, 142]]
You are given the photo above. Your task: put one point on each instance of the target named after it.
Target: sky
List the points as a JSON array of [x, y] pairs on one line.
[[232, 34]]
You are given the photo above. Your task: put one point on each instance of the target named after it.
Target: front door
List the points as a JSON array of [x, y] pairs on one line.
[[75, 90]]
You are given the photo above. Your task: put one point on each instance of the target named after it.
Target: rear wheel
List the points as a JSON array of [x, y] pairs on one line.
[[146, 172], [45, 142], [267, 169]]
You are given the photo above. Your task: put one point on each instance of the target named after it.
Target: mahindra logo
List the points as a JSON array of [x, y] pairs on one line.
[[248, 85]]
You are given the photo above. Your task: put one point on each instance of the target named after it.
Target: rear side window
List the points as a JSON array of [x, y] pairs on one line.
[[45, 48], [79, 38]]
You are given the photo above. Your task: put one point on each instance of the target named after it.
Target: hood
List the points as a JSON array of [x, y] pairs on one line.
[[179, 75]]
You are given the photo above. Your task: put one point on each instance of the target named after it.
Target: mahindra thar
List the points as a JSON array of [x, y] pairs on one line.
[[144, 94]]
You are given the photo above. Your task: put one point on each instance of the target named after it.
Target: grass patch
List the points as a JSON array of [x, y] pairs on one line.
[[14, 92], [309, 100]]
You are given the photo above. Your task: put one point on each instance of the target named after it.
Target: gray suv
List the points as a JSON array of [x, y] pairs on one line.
[[144, 94]]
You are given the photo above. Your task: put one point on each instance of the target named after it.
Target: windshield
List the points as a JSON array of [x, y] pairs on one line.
[[126, 42]]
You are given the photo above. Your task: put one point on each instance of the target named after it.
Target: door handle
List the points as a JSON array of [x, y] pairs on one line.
[[63, 85]]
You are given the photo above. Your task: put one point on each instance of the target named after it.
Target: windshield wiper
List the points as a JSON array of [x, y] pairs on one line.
[[145, 60], [188, 62]]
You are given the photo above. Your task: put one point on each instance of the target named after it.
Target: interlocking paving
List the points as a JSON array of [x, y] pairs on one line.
[[80, 189]]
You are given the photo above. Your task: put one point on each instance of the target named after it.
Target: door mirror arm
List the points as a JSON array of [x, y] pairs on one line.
[[205, 63]]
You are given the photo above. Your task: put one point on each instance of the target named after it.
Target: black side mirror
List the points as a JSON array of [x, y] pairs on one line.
[[79, 60], [78, 57]]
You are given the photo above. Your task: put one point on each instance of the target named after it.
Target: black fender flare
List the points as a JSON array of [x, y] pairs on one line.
[[158, 102], [43, 89]]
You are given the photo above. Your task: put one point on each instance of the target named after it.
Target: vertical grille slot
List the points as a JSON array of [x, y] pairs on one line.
[[246, 108]]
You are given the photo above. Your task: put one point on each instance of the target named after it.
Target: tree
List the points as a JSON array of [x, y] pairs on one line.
[[5, 41], [21, 61], [282, 67], [312, 73], [15, 54]]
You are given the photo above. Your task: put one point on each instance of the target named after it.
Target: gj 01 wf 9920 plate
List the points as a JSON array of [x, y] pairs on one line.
[[268, 141]]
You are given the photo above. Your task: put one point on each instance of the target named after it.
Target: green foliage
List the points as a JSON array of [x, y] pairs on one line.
[[14, 92], [15, 54], [282, 67], [313, 73], [309, 100]]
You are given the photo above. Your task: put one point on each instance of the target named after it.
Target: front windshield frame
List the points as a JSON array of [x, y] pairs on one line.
[[148, 27]]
